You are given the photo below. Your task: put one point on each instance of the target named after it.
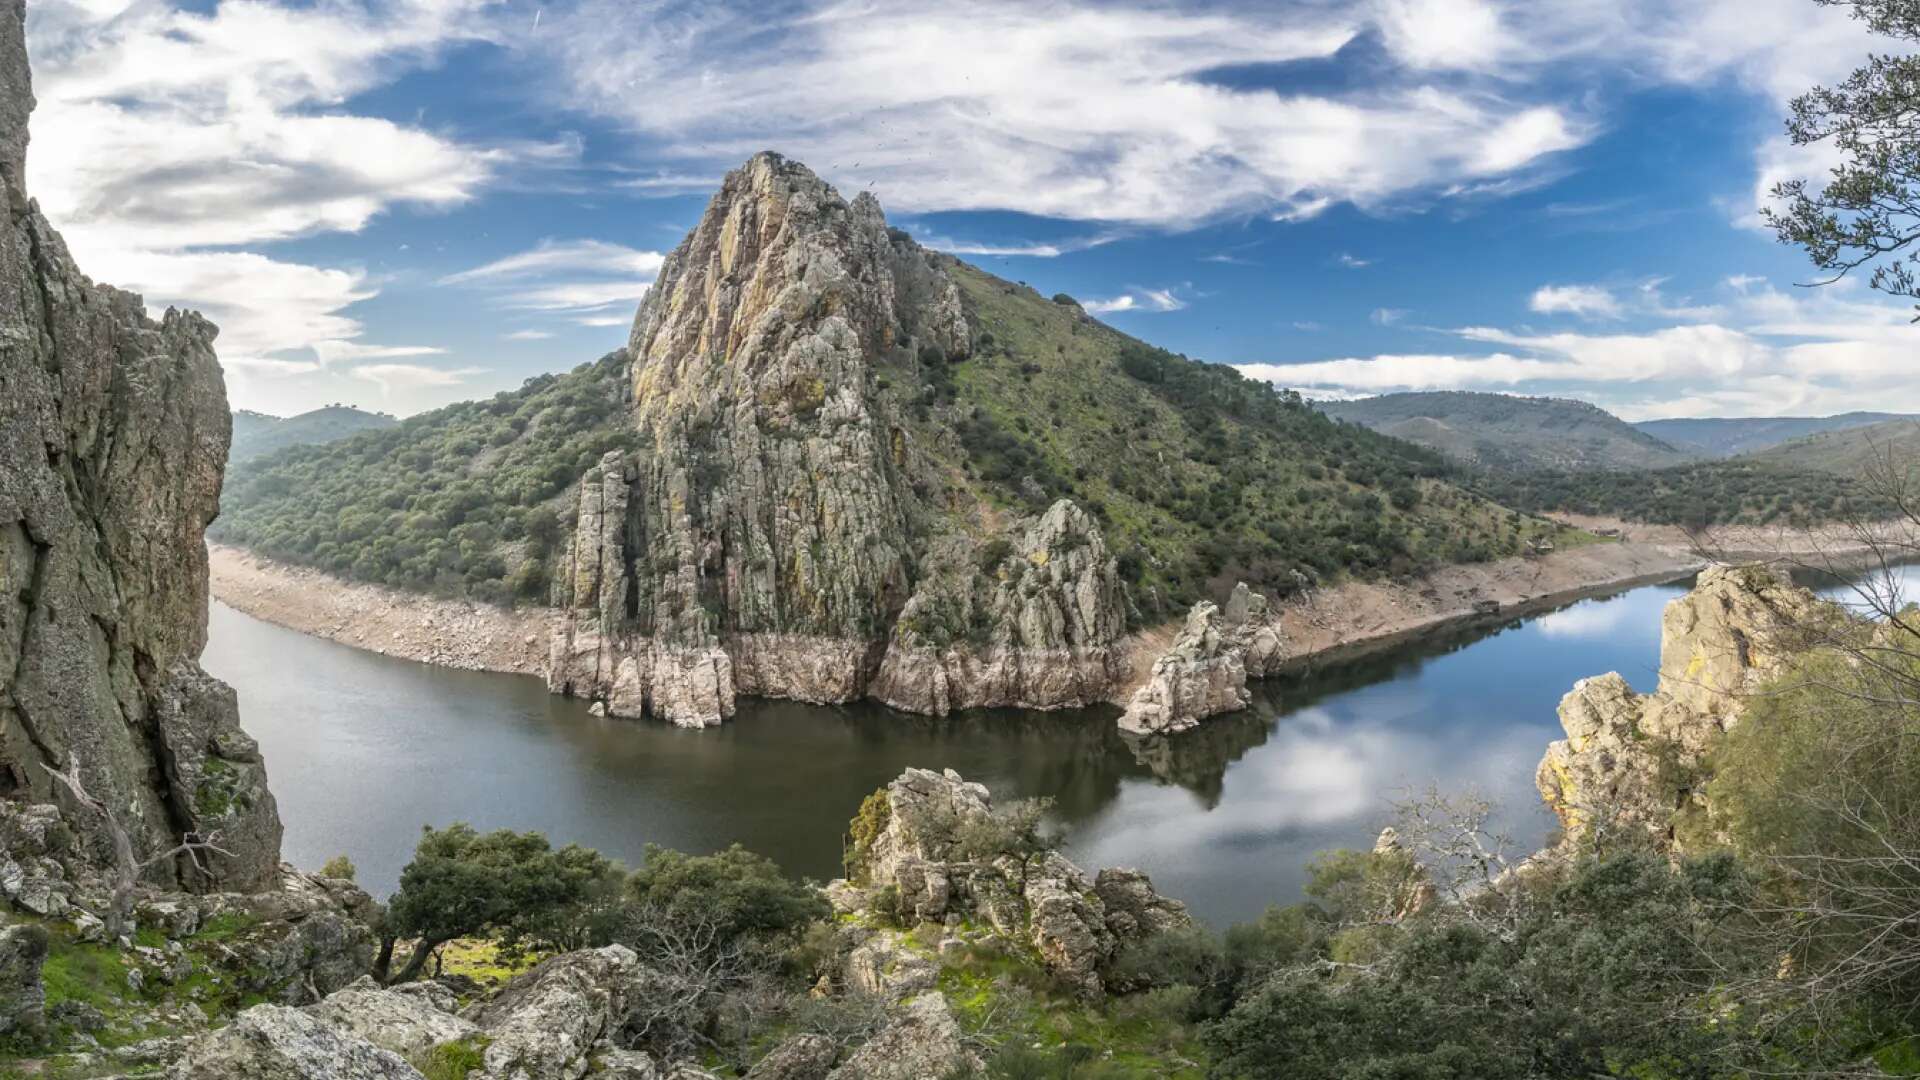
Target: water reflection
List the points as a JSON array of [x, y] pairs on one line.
[[364, 749]]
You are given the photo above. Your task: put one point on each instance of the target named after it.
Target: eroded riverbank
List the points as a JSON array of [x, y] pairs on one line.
[[1348, 619]]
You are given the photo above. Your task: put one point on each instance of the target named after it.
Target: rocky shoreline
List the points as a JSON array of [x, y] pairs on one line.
[[449, 633], [1338, 623]]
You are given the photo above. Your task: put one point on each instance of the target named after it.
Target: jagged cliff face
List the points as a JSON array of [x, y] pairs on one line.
[[113, 438], [782, 533], [1639, 761]]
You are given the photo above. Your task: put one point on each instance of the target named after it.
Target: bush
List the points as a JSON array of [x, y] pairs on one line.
[[338, 867]]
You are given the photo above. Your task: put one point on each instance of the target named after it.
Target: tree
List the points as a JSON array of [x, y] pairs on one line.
[[1868, 211], [462, 883]]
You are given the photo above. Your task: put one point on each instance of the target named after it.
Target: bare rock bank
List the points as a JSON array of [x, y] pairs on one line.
[[450, 633]]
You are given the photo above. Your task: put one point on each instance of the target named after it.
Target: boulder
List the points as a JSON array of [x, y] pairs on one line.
[[545, 1023], [23, 997], [274, 1042], [924, 1042], [409, 1024], [908, 840], [798, 1057]]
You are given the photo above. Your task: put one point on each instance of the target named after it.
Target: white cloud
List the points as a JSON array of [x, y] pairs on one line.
[[1137, 300], [528, 335], [162, 136], [1351, 261], [402, 377], [604, 320], [1388, 316], [568, 278], [1769, 353], [553, 256], [1586, 301], [1063, 108], [1026, 250]]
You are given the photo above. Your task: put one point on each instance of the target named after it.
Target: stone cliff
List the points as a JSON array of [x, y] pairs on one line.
[[784, 531], [113, 437], [1639, 761]]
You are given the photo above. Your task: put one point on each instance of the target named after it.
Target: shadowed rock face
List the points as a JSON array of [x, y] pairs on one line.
[[778, 534], [1637, 760], [113, 438]]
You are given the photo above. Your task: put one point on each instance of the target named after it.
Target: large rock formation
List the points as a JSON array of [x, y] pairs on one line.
[[782, 532], [1204, 673], [113, 437], [1638, 760], [916, 850]]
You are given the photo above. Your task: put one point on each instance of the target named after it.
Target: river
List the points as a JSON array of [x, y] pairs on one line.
[[363, 750]]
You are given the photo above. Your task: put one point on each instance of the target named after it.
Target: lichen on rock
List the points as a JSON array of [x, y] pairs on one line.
[[1640, 761], [113, 441], [1204, 672], [776, 534]]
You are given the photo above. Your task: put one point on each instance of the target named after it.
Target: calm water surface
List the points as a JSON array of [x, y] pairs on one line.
[[363, 749]]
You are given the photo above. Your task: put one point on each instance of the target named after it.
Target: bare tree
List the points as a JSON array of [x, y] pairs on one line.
[[128, 868]]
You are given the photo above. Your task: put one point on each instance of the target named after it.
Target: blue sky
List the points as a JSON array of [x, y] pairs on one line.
[[403, 203]]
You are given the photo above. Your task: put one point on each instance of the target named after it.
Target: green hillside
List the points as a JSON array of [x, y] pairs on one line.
[[1849, 451], [256, 434], [463, 499], [1729, 436], [1199, 475], [1739, 491], [1503, 431]]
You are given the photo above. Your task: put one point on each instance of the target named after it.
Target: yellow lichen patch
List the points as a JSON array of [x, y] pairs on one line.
[[1697, 664], [1039, 558]]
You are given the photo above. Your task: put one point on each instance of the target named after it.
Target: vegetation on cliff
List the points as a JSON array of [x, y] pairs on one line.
[[462, 500], [1198, 476]]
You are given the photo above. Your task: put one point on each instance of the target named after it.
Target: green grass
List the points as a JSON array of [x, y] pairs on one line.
[[1043, 1030], [454, 1060]]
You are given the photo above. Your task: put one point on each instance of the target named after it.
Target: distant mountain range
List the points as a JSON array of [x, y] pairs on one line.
[[1730, 437], [258, 433], [1501, 431], [1850, 450]]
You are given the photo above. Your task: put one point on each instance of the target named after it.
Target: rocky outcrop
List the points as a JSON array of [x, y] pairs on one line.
[[113, 439], [1204, 673], [1640, 761], [547, 1022], [1038, 628], [780, 531], [23, 996], [273, 1042], [916, 846], [409, 1020], [923, 1042]]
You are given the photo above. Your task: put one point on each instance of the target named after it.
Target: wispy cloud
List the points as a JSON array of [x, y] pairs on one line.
[[1585, 301], [1051, 250], [1136, 300], [393, 377], [1387, 316], [1768, 353], [167, 140], [1351, 261], [1069, 109], [528, 335], [568, 277], [557, 256]]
